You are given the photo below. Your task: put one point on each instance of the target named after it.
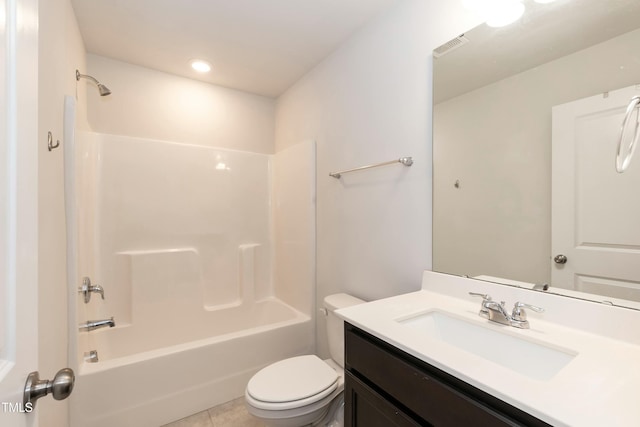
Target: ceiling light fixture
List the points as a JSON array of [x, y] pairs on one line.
[[200, 66], [496, 13]]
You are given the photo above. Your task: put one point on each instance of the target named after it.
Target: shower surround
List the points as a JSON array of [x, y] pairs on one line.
[[207, 260]]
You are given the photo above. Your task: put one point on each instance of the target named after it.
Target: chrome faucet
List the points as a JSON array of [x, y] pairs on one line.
[[87, 288], [97, 324], [496, 312]]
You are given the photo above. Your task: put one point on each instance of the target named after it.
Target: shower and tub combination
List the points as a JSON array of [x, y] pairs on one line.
[[203, 258]]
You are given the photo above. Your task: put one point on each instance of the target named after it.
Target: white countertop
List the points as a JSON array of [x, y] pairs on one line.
[[599, 387]]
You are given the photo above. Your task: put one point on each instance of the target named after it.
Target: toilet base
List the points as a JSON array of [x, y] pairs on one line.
[[335, 415], [312, 419], [331, 415]]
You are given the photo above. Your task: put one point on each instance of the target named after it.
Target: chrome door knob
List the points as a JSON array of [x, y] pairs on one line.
[[60, 388], [560, 259]]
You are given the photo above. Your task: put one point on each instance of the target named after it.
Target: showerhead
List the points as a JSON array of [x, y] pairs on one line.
[[104, 91]]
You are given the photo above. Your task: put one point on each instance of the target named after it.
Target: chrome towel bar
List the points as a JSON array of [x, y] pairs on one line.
[[407, 161]]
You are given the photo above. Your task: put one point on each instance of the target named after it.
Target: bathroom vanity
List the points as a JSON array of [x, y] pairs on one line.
[[385, 386], [428, 358]]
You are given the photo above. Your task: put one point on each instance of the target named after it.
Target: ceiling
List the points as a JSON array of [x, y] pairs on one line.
[[258, 46], [546, 32]]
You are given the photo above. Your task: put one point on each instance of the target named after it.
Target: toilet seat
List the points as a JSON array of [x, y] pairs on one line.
[[292, 383]]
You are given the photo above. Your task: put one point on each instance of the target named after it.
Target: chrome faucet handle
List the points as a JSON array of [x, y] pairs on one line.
[[484, 311], [485, 297], [519, 314], [97, 289], [87, 288]]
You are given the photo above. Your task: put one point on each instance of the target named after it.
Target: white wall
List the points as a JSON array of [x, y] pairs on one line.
[[151, 104], [294, 225], [369, 102], [61, 51], [499, 222]]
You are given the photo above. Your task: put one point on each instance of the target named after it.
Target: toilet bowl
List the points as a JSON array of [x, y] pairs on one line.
[[304, 390]]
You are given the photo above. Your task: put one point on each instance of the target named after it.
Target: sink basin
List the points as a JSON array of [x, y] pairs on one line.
[[528, 357]]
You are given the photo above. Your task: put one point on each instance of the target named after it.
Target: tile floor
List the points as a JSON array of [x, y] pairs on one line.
[[230, 414]]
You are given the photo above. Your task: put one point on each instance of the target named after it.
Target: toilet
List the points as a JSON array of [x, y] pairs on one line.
[[304, 390]]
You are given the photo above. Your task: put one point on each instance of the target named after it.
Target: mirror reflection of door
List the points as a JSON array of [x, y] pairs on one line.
[[595, 210]]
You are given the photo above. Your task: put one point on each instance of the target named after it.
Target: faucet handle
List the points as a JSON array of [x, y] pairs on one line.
[[484, 311], [97, 289], [87, 288], [519, 314], [485, 297]]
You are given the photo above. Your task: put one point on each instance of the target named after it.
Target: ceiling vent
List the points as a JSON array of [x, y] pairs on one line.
[[450, 45]]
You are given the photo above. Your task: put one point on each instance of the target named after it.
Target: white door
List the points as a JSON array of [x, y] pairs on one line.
[[18, 206], [596, 211]]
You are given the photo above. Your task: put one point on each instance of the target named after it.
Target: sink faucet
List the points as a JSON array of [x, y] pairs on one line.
[[496, 312], [96, 324]]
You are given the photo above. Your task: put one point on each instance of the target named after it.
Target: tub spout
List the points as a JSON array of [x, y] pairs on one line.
[[97, 324]]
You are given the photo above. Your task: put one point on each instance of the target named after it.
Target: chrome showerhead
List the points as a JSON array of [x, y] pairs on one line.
[[104, 91]]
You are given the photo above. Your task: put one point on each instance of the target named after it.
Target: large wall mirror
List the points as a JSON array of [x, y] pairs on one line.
[[527, 120]]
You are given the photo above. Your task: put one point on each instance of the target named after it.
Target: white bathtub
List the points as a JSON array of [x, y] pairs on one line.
[[175, 329], [131, 387]]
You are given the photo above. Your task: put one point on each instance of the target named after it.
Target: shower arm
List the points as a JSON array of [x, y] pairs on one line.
[[86, 76], [104, 91]]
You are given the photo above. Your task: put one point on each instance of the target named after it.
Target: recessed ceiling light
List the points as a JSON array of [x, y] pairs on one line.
[[496, 13], [200, 66], [503, 12]]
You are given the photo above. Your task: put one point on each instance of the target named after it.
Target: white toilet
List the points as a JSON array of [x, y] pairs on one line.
[[304, 390]]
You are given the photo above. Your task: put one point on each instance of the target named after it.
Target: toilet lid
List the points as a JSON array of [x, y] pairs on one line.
[[293, 379]]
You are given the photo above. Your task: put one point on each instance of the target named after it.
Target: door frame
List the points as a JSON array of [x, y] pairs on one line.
[[19, 207]]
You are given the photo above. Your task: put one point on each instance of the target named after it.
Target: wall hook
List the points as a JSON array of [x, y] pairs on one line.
[[50, 144]]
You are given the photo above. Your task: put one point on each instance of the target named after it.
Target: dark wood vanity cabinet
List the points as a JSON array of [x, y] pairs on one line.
[[385, 387]]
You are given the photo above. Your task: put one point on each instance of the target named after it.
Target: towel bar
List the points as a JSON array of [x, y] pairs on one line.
[[407, 161]]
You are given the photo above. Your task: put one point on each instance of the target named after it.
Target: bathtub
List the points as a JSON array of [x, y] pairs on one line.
[[133, 386], [202, 297]]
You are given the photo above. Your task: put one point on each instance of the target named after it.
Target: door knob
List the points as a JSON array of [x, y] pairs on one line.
[[60, 388], [560, 259]]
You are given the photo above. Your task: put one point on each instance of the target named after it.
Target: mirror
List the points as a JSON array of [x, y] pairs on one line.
[[526, 124]]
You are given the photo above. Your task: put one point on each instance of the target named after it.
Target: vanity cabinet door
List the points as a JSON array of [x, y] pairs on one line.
[[366, 408]]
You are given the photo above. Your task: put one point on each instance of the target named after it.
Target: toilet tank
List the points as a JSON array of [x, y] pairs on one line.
[[335, 325]]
